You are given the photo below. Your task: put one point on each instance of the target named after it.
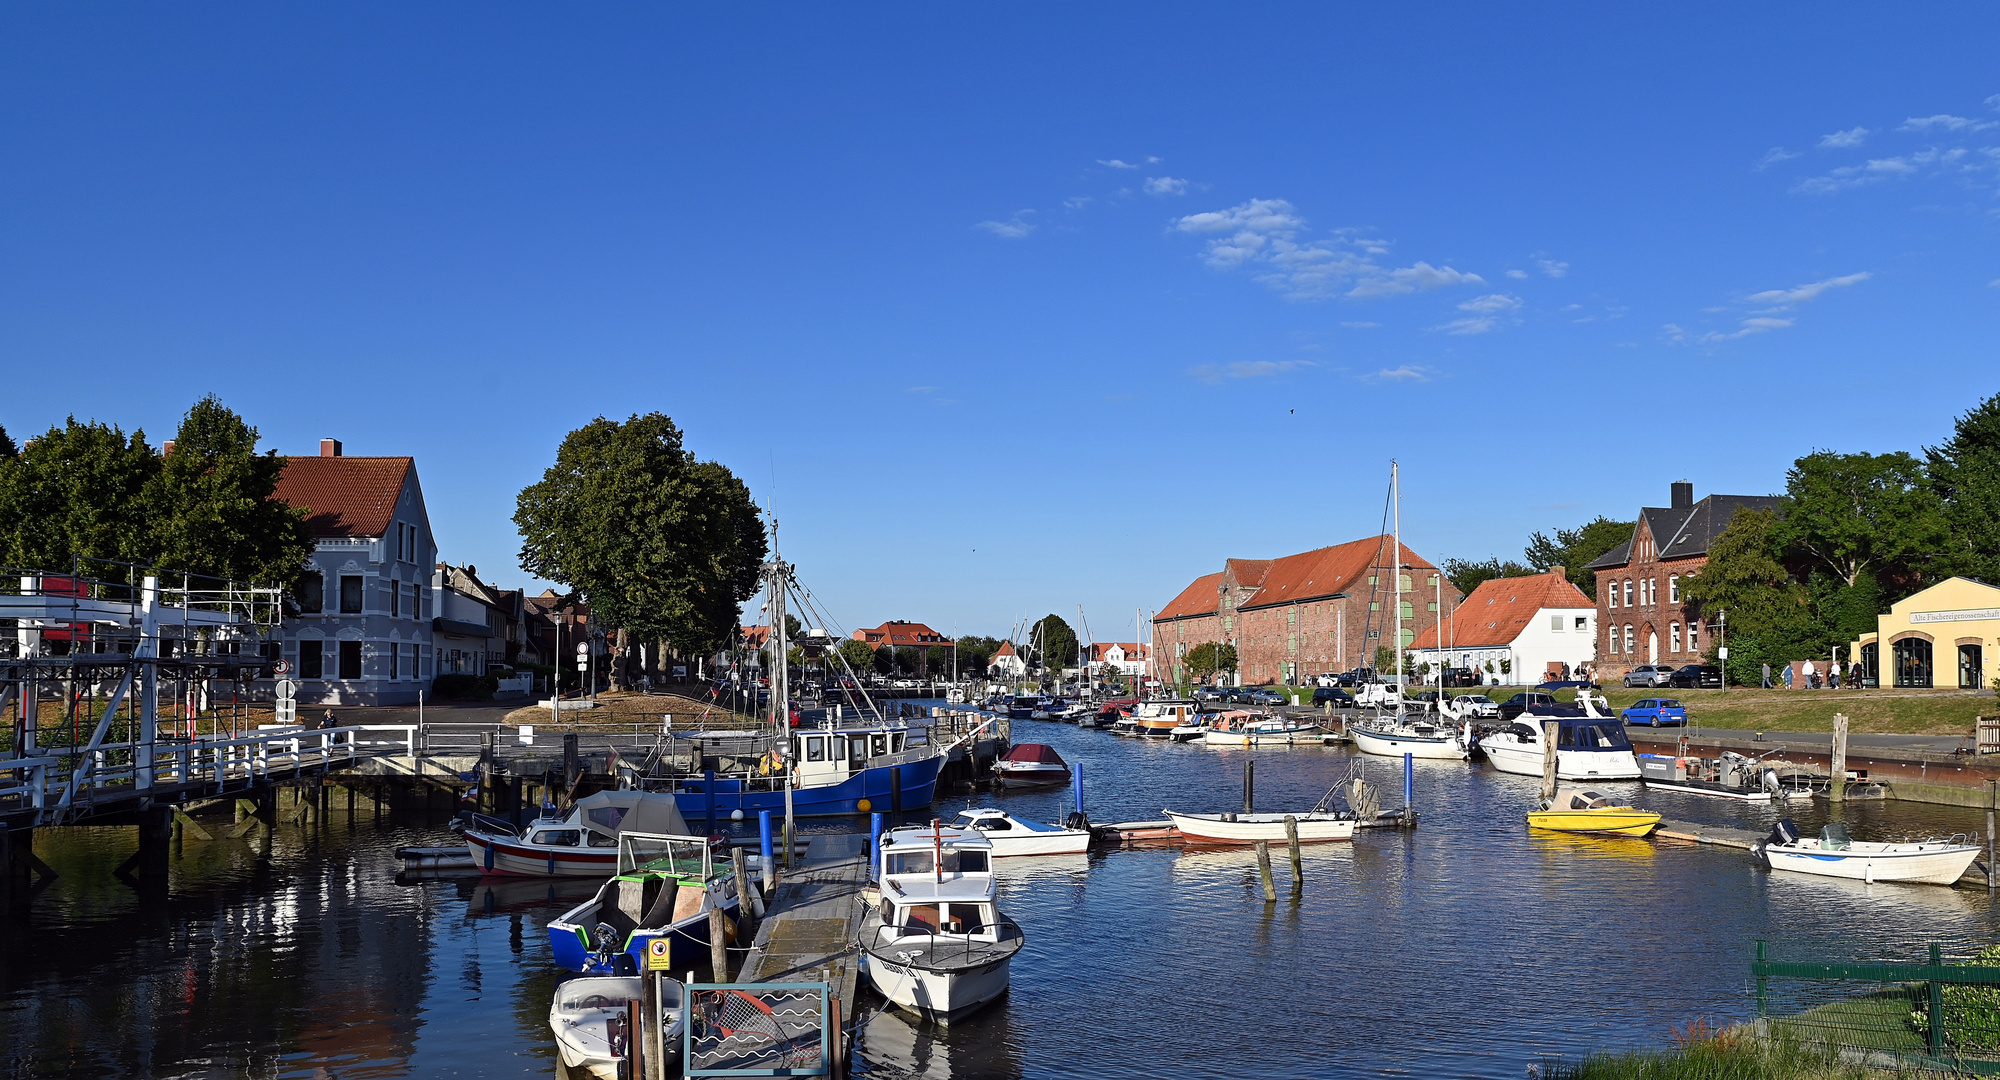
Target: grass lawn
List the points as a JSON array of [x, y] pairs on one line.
[[1869, 712]]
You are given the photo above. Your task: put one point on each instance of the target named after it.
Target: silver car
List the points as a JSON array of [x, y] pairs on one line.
[[1477, 706], [1649, 676]]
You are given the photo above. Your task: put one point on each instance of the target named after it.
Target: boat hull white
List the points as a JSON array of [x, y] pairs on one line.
[[1715, 791], [943, 996], [1525, 759], [1250, 828], [1929, 864], [1444, 746], [582, 1033]]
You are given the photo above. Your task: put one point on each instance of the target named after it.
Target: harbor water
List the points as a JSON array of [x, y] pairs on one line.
[[1467, 947]]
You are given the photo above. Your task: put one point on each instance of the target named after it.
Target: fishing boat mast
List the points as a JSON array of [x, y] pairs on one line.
[[778, 574]]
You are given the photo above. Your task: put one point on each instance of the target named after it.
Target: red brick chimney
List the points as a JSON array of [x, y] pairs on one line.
[[166, 448], [329, 448]]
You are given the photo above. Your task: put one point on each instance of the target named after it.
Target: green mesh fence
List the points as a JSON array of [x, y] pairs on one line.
[[1933, 1007]]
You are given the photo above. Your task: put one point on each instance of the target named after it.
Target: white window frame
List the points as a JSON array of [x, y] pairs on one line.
[[1674, 636], [1673, 588]]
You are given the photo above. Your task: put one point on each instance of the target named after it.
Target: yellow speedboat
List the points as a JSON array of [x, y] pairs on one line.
[[1581, 810]]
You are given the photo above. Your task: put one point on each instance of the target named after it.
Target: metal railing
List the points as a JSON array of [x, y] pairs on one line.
[[1932, 1014]]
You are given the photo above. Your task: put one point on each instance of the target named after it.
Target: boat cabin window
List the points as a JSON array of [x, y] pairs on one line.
[[598, 839], [921, 862], [1834, 837], [1567, 737], [815, 748], [1606, 737], [857, 748], [607, 817], [879, 744], [559, 837], [940, 918], [993, 824]]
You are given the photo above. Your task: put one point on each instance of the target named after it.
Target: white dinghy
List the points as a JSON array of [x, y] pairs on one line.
[[591, 1018], [1833, 854]]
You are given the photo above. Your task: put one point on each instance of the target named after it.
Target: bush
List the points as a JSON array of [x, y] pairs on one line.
[[464, 687], [1972, 1013]]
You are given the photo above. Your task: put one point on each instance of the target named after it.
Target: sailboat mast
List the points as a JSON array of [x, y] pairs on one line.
[[1396, 501]]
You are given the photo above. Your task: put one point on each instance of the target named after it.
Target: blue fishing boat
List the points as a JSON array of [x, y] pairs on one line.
[[832, 771]]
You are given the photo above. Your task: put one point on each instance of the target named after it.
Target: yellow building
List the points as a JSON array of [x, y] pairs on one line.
[[1948, 635]]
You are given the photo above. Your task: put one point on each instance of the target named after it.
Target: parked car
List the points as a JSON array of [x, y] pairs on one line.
[[1268, 697], [1211, 693], [1697, 677], [1241, 695], [1341, 699], [1649, 676], [1378, 694], [1460, 676], [1327, 680], [1655, 711], [1520, 703], [1477, 706], [1428, 700]]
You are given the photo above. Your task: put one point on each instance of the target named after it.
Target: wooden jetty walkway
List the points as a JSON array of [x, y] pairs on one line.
[[812, 920]]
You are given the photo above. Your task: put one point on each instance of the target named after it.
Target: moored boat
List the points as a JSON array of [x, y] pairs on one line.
[[1248, 828], [1245, 728], [1027, 765], [582, 842], [1158, 718], [1834, 854], [1587, 748], [1584, 811], [937, 944], [665, 887], [833, 771], [1395, 736], [1731, 776], [1012, 836], [591, 1020]]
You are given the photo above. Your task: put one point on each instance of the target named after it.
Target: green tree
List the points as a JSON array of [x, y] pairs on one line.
[[660, 544], [1466, 576], [1204, 660], [1574, 549], [213, 506], [859, 655], [1965, 475], [975, 653], [1056, 642], [78, 491], [1851, 515], [7, 447], [1385, 660], [884, 660], [1770, 613]]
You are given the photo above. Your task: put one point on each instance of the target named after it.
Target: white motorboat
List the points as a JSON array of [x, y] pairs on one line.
[[1191, 730], [1243, 728], [937, 944], [580, 843], [1030, 765], [1833, 854], [1586, 748], [591, 1018], [1160, 718], [1394, 736], [1249, 828], [1010, 835]]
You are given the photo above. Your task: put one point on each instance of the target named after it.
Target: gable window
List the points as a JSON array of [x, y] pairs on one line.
[[350, 594], [1673, 588], [1556, 623], [312, 591]]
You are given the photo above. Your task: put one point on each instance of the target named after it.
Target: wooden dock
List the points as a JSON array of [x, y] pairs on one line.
[[812, 921]]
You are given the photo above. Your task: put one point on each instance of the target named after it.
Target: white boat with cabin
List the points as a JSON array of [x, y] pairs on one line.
[[937, 944], [1591, 746], [1245, 728], [1834, 854], [1012, 836]]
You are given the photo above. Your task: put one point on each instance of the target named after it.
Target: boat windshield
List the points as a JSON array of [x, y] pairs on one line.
[[680, 855], [921, 862], [1834, 837], [1609, 736]]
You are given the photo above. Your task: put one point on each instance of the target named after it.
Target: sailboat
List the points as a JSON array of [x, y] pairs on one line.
[[1397, 735]]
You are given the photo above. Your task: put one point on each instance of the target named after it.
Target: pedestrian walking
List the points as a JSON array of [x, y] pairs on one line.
[[1833, 676], [1767, 675], [1812, 676], [1788, 676]]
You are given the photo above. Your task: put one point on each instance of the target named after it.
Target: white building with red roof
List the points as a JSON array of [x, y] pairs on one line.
[[1516, 629], [363, 632], [1007, 663], [1119, 658]]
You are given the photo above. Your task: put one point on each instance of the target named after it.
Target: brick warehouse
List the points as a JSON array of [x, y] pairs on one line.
[[1302, 615], [1641, 616]]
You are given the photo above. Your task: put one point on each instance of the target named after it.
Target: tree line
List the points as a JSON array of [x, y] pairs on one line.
[[87, 490]]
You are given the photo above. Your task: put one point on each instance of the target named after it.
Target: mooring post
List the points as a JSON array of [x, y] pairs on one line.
[[1076, 787], [635, 1037], [718, 947], [1249, 786], [485, 771], [1409, 791], [1837, 792], [1292, 842], [876, 824], [764, 849], [896, 789], [1549, 731], [649, 1019], [1264, 871], [745, 899]]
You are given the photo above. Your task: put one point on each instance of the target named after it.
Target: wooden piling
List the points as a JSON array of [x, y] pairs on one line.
[[1292, 841], [718, 947], [1838, 791], [1249, 787], [1264, 871], [635, 1036], [1549, 732], [744, 905]]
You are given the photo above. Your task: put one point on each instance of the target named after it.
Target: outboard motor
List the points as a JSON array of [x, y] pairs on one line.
[[1077, 820], [1784, 832]]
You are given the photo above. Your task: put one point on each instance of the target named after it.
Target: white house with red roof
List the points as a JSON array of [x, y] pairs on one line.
[[1118, 658], [1535, 625], [363, 632], [1007, 663]]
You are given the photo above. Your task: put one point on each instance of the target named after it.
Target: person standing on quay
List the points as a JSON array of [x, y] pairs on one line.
[[1767, 674], [1788, 676]]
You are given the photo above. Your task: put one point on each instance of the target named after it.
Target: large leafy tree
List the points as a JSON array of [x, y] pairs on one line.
[[8, 450], [1466, 575], [1859, 515], [1965, 474], [77, 491], [1772, 615], [659, 543], [212, 506], [859, 655], [1574, 549], [1055, 641], [1208, 658]]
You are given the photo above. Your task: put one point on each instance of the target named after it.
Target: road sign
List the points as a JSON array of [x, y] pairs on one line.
[[282, 667], [287, 690], [1722, 653], [659, 954], [583, 648], [583, 665]]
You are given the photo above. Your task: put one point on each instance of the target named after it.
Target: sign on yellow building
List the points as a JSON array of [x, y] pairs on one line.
[[1945, 636]]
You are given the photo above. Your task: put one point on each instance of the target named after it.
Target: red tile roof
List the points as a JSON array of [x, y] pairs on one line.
[[906, 634], [1006, 649], [1200, 598], [345, 496], [755, 636], [1328, 570], [1500, 608]]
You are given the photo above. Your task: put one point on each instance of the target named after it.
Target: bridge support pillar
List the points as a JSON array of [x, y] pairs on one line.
[[156, 838]]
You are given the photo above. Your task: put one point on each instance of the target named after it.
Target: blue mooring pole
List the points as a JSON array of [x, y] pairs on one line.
[[875, 826], [1409, 787], [1076, 785], [708, 796], [764, 835]]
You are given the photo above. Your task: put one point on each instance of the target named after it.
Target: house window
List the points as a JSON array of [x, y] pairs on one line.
[[1432, 606], [412, 653], [312, 591], [1556, 623], [1409, 610], [350, 595], [1673, 588], [395, 601], [1674, 636], [1630, 639], [311, 660], [1694, 632], [350, 659], [1628, 592], [1582, 622], [1611, 595], [1374, 605], [395, 654], [1404, 580]]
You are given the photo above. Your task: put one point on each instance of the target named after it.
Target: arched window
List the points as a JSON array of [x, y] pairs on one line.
[[1913, 662], [1674, 636], [1409, 610]]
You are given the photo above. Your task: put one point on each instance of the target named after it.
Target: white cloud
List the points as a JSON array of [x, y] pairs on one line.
[[1470, 326], [1941, 120], [1165, 185], [1552, 268], [1995, 283], [1490, 304], [1517, 274], [1013, 228], [1373, 325], [1802, 293], [1078, 202], [1406, 373], [1758, 325], [1773, 156], [1116, 164], [1842, 139], [920, 390], [1267, 232], [1673, 332], [1247, 369], [1993, 102]]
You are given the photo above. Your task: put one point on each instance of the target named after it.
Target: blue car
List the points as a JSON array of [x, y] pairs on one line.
[[1655, 711]]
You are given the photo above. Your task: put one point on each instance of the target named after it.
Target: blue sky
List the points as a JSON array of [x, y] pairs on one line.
[[1008, 310]]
